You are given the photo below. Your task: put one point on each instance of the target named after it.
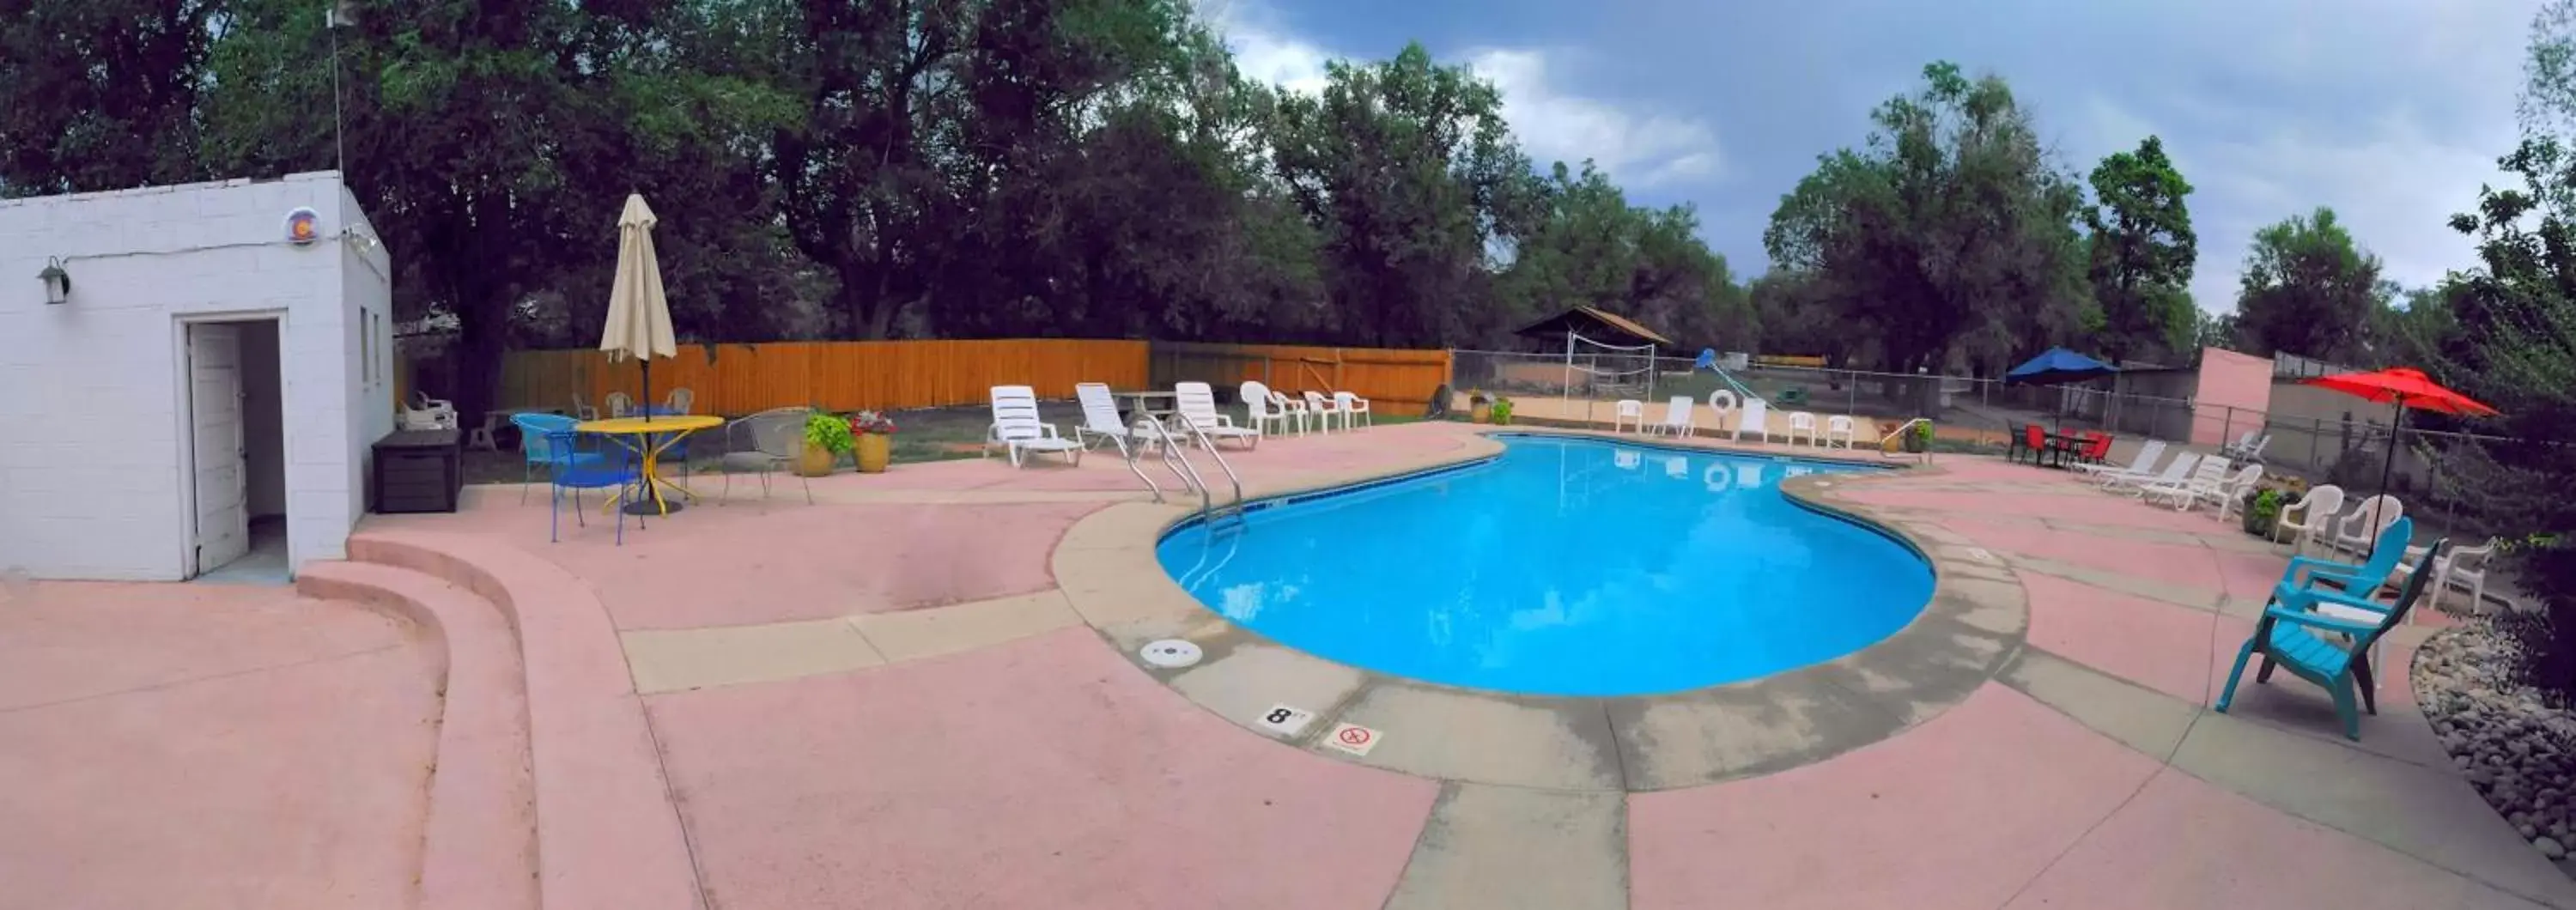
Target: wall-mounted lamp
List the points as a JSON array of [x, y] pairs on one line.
[[58, 283]]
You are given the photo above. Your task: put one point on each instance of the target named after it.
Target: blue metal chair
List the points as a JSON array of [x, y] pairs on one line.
[[537, 448], [2294, 638], [599, 472]]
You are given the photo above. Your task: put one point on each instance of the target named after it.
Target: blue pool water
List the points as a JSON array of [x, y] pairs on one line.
[[1564, 567]]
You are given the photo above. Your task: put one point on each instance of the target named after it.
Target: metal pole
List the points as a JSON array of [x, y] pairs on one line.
[[2387, 460], [1565, 393]]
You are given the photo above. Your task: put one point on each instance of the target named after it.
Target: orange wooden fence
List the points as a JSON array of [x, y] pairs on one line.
[[1399, 377], [737, 379]]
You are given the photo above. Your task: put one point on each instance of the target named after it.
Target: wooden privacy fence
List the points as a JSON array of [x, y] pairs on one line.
[[1385, 376], [738, 379]]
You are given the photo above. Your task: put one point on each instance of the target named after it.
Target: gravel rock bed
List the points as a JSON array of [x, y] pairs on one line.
[[2518, 752]]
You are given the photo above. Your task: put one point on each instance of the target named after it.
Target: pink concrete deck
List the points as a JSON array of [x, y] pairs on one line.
[[204, 746], [885, 700]]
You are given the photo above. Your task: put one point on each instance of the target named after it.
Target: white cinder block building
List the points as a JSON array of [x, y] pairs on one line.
[[191, 377]]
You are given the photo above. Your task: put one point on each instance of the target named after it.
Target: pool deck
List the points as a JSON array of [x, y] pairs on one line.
[[922, 691]]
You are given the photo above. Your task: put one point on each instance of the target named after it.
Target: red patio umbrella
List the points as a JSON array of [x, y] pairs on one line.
[[2406, 388]]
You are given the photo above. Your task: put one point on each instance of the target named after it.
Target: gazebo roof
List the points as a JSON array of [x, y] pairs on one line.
[[1596, 324]]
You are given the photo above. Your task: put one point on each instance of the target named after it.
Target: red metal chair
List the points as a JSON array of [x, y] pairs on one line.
[[2098, 449], [2037, 439]]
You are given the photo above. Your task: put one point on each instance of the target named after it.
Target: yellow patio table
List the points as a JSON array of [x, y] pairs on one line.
[[650, 436]]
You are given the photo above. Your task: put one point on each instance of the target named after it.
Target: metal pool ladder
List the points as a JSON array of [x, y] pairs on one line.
[[1178, 460]]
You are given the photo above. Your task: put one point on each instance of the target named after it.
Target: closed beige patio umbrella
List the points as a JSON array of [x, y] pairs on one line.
[[639, 319]]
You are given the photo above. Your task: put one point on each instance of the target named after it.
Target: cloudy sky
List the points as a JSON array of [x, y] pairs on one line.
[[2390, 111]]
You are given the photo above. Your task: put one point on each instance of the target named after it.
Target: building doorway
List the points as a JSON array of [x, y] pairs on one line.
[[236, 440]]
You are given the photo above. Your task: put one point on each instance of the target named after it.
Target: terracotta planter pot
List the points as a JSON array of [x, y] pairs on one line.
[[874, 452], [813, 461], [1480, 412]]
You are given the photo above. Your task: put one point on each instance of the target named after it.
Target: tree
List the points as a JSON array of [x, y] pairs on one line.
[[2308, 289], [1949, 236], [2141, 253], [1587, 246], [101, 94], [1409, 176]]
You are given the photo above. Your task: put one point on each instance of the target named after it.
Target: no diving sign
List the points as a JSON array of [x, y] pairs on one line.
[[1352, 738]]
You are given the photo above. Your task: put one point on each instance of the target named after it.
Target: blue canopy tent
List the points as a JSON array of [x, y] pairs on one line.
[[2058, 366]]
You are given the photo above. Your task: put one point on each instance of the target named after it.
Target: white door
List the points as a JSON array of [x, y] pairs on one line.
[[215, 441]]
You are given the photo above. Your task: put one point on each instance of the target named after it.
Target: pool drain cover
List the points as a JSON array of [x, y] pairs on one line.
[[1171, 653]]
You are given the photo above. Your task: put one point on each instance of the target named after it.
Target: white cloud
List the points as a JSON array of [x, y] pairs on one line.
[[1642, 148]]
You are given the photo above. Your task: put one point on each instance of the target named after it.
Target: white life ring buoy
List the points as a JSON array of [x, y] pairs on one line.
[[1717, 478]]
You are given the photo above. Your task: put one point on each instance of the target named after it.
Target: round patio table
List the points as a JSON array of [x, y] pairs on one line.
[[648, 437]]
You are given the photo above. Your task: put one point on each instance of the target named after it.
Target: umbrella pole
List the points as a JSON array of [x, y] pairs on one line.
[[2387, 460]]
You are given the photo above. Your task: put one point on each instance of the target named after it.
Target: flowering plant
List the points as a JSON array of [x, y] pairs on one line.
[[865, 422]]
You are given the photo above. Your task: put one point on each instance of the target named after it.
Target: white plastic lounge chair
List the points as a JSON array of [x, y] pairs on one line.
[[1198, 407], [1677, 418], [2356, 530], [1839, 427], [2175, 472], [2317, 514], [1757, 414], [1355, 411], [1802, 424], [1627, 459], [2231, 495], [1100, 420], [1628, 410], [1677, 468], [426, 413], [2143, 462], [2464, 567], [1325, 412], [2206, 480], [2240, 443], [1263, 409], [1017, 429]]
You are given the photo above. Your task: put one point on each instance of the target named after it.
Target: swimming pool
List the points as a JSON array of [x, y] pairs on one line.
[[1563, 567]]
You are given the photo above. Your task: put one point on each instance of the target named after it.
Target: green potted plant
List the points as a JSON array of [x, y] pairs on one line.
[[874, 447], [1502, 411], [827, 437], [2262, 508], [1920, 439]]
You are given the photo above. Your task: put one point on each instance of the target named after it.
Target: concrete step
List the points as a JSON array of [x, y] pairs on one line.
[[480, 846]]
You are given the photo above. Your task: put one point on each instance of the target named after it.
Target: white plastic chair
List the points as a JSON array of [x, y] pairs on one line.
[[1017, 429], [681, 401], [619, 405], [1295, 408], [2356, 531], [2231, 494], [1197, 407], [1629, 409], [1839, 426], [1324, 411], [2465, 568], [1265, 410], [1355, 411], [1677, 418], [1757, 420], [2317, 514], [1100, 420], [1802, 423]]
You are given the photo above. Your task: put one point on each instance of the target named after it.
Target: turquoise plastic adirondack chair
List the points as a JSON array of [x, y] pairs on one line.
[[2358, 580], [2292, 638]]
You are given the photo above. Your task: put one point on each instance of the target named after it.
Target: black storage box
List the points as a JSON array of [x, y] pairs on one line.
[[417, 471]]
